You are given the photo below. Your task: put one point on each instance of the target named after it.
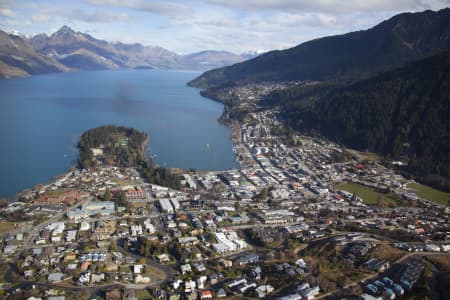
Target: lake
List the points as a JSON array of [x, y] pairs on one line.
[[42, 118]]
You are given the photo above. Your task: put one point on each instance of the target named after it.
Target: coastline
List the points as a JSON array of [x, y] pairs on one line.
[[223, 119]]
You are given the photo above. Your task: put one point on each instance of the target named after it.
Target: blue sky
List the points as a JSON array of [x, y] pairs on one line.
[[189, 26]]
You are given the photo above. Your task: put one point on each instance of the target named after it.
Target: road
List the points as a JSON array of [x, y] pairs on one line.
[[34, 231], [167, 270]]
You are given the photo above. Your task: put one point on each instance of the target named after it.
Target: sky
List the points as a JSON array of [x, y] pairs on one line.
[[194, 25]]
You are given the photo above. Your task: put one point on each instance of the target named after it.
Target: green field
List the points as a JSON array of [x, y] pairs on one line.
[[143, 294], [6, 226], [369, 196], [429, 193]]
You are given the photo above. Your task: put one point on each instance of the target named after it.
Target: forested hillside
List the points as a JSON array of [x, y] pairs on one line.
[[400, 113], [123, 147]]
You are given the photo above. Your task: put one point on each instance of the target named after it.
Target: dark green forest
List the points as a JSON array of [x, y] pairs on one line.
[[123, 147], [403, 113]]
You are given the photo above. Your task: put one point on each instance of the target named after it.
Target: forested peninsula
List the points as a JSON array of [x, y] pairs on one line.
[[122, 147]]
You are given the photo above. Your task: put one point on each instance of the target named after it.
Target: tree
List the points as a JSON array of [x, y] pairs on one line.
[[379, 200], [3, 203], [107, 195], [262, 195], [141, 261], [112, 246]]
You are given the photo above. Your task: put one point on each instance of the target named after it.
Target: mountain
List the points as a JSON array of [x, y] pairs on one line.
[[67, 49], [139, 56], [251, 54], [402, 113], [211, 59], [403, 38], [78, 50], [19, 59]]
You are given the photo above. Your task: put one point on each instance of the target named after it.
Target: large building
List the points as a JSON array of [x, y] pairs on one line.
[[91, 208]]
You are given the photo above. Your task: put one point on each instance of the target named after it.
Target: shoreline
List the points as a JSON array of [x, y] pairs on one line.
[[233, 125]]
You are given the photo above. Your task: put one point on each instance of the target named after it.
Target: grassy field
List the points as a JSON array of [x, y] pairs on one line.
[[143, 294], [6, 226], [429, 193], [370, 156], [387, 252], [369, 196], [336, 273], [441, 262]]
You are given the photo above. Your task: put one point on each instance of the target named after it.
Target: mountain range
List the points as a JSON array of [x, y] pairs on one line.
[[17, 58], [67, 50], [402, 38], [385, 89]]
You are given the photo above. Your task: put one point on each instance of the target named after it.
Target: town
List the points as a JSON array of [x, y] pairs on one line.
[[302, 218]]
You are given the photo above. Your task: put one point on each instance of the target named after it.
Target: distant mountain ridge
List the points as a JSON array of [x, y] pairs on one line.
[[79, 50], [17, 58], [212, 58], [402, 38], [67, 49]]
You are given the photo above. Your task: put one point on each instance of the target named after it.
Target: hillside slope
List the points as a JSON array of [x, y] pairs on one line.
[[19, 59], [403, 38], [403, 113]]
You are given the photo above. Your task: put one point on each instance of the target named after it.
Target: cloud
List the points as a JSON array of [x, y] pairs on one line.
[[331, 6], [6, 12], [97, 16], [42, 18], [49, 14], [171, 9]]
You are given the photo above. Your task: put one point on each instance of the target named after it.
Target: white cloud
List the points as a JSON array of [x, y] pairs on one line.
[[96, 17], [224, 29], [6, 12], [46, 15], [171, 9], [331, 6], [42, 18]]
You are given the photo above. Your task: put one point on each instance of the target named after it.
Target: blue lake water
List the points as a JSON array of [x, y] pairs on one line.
[[42, 117]]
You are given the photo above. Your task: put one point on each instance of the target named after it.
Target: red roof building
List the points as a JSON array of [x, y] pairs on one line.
[[206, 294]]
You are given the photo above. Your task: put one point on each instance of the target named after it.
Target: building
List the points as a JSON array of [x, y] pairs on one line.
[[135, 193], [56, 228], [71, 235], [104, 208], [165, 205], [206, 294], [175, 204], [263, 290]]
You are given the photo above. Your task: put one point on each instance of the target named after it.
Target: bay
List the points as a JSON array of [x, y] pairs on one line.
[[42, 117]]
